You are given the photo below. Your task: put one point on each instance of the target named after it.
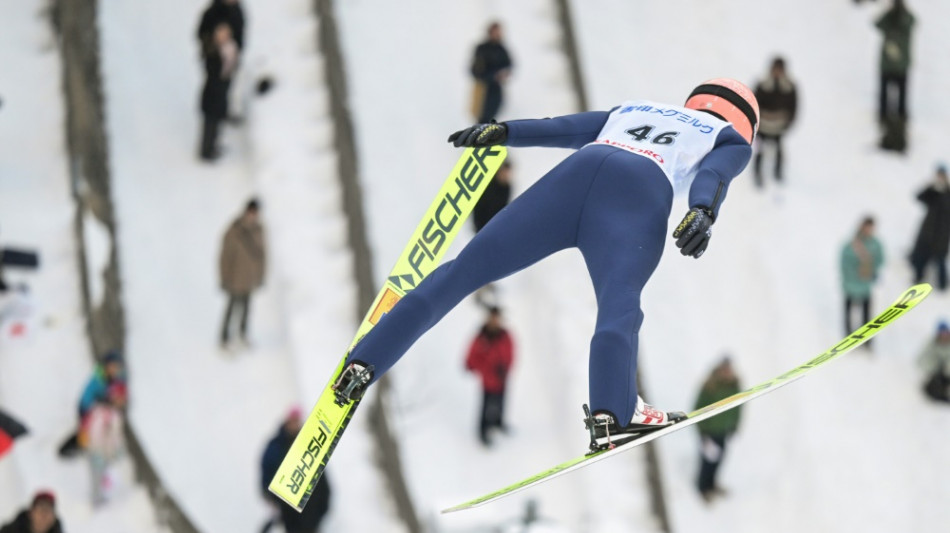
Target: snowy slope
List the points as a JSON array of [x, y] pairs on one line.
[[204, 414], [44, 354], [814, 456], [412, 77]]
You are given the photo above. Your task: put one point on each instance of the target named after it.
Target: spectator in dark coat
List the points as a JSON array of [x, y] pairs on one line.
[[491, 356], [933, 239], [935, 362], [220, 62], [241, 266], [491, 67], [39, 518], [861, 260], [495, 198], [714, 432], [226, 11], [896, 25], [309, 520], [778, 105]]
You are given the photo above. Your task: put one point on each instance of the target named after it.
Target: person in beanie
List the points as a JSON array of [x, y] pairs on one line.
[[241, 266], [896, 26], [495, 198], [714, 432], [933, 239], [491, 67], [491, 356], [935, 362], [39, 518], [778, 104], [307, 521], [861, 260]]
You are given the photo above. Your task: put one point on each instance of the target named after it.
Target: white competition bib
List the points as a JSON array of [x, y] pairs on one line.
[[673, 137]]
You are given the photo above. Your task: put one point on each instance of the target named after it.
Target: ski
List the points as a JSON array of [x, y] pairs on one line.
[[321, 432], [907, 301]]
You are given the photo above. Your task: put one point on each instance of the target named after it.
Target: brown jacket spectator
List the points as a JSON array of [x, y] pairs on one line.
[[778, 104], [242, 265]]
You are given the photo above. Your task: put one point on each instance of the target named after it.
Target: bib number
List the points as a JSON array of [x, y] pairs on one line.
[[643, 133]]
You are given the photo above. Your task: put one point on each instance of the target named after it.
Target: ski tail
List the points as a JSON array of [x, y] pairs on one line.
[[907, 301], [301, 468]]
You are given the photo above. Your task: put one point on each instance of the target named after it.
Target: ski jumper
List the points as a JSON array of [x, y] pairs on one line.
[[611, 199]]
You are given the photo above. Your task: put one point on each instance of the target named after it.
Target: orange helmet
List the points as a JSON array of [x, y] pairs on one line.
[[729, 100]]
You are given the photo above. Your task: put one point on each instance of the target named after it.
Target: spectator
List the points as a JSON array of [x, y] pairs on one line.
[[778, 103], [226, 11], [491, 356], [491, 67], [102, 430], [714, 432], [861, 260], [241, 265], [495, 198], [896, 25], [935, 362], [309, 520], [933, 239], [39, 518], [221, 61], [109, 372]]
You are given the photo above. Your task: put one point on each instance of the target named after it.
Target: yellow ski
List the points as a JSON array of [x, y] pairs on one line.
[[907, 301], [310, 452]]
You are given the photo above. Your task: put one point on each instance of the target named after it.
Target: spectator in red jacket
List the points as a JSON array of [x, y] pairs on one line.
[[491, 356]]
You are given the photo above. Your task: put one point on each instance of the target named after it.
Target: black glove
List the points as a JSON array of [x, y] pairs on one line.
[[693, 233], [480, 135]]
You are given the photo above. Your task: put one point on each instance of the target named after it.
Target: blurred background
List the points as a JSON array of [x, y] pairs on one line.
[[198, 198]]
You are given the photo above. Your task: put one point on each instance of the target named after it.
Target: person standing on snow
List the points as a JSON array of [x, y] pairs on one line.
[[933, 238], [611, 199], [715, 431], [778, 103], [491, 356], [241, 267], [110, 371], [861, 260], [495, 198], [221, 60], [491, 67]]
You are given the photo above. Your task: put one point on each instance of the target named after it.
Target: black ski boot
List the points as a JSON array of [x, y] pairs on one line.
[[352, 382]]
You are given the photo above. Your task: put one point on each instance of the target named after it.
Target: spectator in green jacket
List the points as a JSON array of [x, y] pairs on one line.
[[896, 25], [714, 432], [935, 362], [861, 260]]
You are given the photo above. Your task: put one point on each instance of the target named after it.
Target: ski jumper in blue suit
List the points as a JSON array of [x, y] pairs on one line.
[[611, 199]]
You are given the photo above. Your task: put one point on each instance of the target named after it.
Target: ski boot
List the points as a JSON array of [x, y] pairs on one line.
[[352, 383], [606, 433]]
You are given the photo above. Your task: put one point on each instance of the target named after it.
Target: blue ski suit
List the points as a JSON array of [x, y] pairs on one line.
[[609, 202]]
